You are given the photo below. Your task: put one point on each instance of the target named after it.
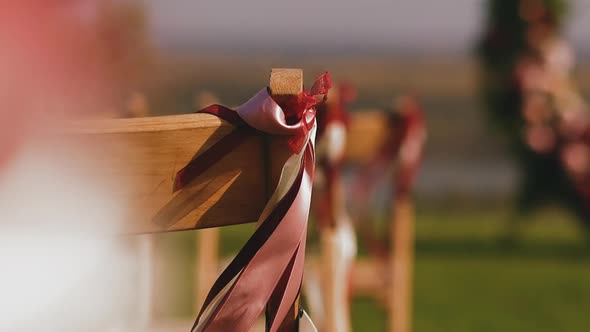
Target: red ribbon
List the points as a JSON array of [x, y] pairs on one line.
[[334, 112], [303, 106]]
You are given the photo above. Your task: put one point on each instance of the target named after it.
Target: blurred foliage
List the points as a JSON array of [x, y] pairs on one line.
[[506, 40], [503, 43]]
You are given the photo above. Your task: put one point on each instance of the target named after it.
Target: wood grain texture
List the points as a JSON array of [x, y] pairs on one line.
[[286, 82], [368, 129], [144, 155], [283, 83]]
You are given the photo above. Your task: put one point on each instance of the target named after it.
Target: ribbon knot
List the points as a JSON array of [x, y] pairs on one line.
[[301, 109]]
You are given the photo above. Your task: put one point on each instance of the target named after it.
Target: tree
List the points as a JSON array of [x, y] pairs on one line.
[[529, 94]]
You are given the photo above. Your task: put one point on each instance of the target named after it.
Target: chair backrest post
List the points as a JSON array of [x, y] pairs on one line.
[[284, 82]]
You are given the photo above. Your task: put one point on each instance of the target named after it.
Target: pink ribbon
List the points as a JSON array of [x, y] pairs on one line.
[[333, 113], [272, 260]]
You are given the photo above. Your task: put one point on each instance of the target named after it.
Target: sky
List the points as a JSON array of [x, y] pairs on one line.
[[404, 26]]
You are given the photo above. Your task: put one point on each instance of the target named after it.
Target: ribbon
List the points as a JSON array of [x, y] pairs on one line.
[[301, 106], [335, 110], [409, 151], [272, 260], [338, 239], [333, 122]]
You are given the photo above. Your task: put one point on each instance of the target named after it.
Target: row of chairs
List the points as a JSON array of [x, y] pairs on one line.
[[146, 153]]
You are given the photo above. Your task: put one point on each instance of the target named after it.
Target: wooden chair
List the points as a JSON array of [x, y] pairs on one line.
[[145, 154], [366, 134]]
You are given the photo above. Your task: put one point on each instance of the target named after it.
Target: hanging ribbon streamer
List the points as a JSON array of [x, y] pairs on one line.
[[328, 289], [333, 122], [412, 136], [272, 259]]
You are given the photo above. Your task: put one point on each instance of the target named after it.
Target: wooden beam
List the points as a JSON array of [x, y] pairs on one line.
[[144, 155], [368, 129]]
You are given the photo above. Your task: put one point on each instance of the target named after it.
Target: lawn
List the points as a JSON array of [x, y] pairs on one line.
[[468, 279]]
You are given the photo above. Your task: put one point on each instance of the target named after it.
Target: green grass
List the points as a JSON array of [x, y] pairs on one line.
[[367, 315], [468, 279]]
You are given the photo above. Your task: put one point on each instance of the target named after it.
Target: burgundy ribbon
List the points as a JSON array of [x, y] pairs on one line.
[[412, 132], [332, 113], [334, 223], [272, 260], [335, 110], [300, 106]]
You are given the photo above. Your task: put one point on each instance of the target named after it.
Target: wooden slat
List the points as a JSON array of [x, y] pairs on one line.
[[368, 129], [144, 155], [147, 124]]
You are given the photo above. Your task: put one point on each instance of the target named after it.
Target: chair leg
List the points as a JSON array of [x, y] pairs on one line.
[[400, 297], [146, 280], [207, 263]]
